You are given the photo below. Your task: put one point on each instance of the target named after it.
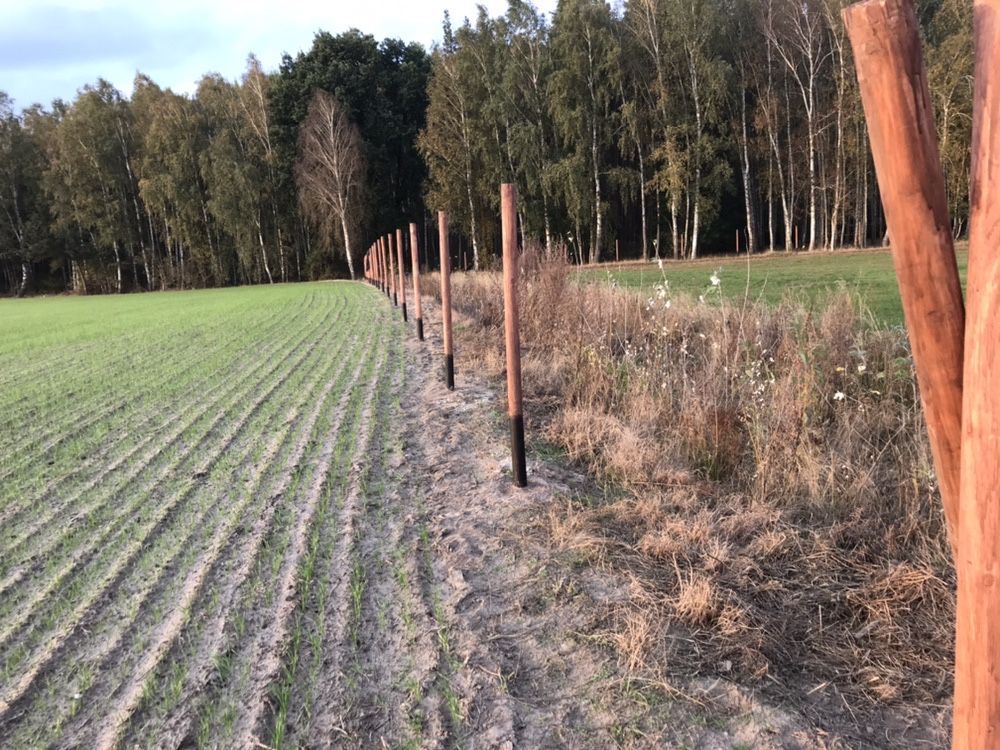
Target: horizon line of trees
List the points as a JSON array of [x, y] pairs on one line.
[[672, 127], [170, 191], [675, 126]]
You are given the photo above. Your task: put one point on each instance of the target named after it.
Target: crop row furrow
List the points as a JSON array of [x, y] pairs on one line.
[[127, 669], [126, 530], [126, 551], [91, 515], [127, 348], [267, 649], [325, 608], [202, 654], [256, 660], [227, 381], [95, 409]]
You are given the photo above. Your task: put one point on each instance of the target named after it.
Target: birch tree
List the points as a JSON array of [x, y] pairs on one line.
[[330, 171]]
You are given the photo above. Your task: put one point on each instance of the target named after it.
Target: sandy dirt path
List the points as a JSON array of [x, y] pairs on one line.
[[462, 626]]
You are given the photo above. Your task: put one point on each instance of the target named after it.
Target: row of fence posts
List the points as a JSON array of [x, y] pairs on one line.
[[384, 268], [956, 351], [956, 346]]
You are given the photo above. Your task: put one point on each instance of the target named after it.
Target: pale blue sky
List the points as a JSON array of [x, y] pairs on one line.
[[49, 49]]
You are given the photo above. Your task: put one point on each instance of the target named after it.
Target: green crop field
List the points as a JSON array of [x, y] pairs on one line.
[[172, 470], [804, 276]]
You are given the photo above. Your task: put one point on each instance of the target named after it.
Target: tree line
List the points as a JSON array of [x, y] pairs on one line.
[[671, 125], [171, 191], [673, 128]]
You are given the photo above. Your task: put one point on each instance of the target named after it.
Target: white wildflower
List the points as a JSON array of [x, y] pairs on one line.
[[839, 396], [714, 278], [861, 369]]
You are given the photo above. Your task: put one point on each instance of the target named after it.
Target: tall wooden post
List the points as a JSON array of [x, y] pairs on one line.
[[401, 278], [415, 262], [445, 253], [378, 261], [886, 41], [385, 268], [508, 221], [391, 252], [617, 253], [977, 636]]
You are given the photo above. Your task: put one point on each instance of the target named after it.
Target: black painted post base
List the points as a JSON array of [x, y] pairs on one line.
[[518, 466], [404, 312], [449, 371], [420, 329]]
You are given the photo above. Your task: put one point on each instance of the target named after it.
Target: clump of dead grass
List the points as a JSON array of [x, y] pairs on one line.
[[781, 513]]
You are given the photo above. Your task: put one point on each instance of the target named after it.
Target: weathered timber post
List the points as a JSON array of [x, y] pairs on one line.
[[508, 221], [617, 256], [402, 271], [382, 266], [391, 252], [976, 724], [415, 262], [445, 254], [886, 41], [378, 261]]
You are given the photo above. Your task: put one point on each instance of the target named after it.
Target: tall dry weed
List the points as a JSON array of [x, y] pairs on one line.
[[797, 523]]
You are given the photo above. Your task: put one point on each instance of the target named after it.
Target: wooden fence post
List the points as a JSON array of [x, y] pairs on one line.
[[390, 251], [508, 221], [445, 254], [976, 724], [886, 41], [415, 262], [402, 270], [385, 268], [617, 255]]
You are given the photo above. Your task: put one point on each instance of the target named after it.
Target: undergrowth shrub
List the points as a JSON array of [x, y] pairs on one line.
[[780, 508]]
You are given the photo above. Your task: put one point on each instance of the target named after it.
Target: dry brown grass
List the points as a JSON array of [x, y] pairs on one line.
[[772, 526]]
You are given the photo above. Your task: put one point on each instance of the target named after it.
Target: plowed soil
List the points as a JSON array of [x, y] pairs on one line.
[[256, 518]]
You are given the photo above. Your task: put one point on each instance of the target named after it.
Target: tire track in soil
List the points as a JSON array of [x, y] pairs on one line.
[[53, 645], [124, 698], [265, 653], [90, 413], [226, 582], [197, 407], [42, 547]]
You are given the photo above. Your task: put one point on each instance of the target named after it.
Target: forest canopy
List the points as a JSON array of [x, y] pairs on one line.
[[675, 129]]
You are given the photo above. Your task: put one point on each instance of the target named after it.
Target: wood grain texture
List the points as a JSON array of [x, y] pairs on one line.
[[885, 37], [977, 652], [512, 336]]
